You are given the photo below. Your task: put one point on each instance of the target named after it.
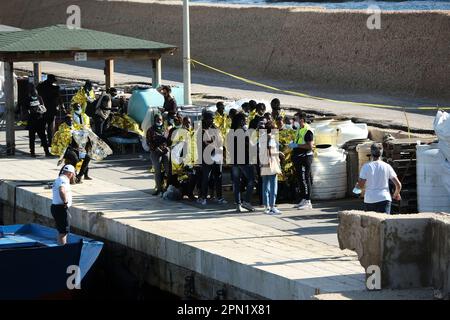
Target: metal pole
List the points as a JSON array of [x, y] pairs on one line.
[[186, 54], [9, 114]]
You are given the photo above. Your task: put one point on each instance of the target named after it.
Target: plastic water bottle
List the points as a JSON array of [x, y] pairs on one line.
[[357, 190]]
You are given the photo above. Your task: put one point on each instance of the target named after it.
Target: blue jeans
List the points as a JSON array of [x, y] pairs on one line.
[[237, 171], [269, 190], [381, 207]]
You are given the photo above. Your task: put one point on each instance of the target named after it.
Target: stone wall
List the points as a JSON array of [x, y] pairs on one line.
[[412, 251], [332, 49]]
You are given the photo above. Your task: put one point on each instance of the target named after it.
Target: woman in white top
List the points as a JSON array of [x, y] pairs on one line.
[[375, 176], [270, 167]]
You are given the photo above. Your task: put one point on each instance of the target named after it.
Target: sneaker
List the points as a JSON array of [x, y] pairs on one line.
[[156, 193], [78, 180], [87, 178], [247, 206], [306, 205], [266, 210], [239, 208], [301, 203], [222, 201], [275, 211], [201, 201]]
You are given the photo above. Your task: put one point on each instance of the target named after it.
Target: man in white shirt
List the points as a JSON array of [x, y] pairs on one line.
[[375, 176], [61, 202]]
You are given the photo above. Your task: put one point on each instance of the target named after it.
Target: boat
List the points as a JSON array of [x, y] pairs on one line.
[[34, 266]]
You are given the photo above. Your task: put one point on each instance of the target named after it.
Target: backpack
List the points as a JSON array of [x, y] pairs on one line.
[[91, 108]]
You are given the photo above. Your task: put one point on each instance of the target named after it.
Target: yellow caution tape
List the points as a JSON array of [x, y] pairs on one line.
[[305, 95]]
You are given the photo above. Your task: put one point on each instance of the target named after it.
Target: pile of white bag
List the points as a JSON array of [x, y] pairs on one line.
[[442, 130]]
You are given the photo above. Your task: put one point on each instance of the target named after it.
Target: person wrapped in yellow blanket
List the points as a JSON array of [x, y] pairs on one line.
[[84, 96], [125, 122], [184, 155], [221, 120]]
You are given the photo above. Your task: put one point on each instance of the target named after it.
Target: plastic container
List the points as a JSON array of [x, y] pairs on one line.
[[329, 171], [346, 130], [364, 154]]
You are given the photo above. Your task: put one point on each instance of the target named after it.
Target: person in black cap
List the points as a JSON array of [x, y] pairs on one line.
[[50, 93], [375, 176]]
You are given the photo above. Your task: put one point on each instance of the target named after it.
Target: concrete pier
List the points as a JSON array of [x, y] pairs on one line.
[[179, 247]]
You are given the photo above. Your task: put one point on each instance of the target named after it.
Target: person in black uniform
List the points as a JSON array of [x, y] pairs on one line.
[[36, 111], [302, 158], [50, 94]]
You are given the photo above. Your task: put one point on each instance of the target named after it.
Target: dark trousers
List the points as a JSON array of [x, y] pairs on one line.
[[49, 123], [302, 165], [99, 123], [238, 172], [216, 171], [381, 207], [84, 170], [158, 159], [37, 126], [259, 183]]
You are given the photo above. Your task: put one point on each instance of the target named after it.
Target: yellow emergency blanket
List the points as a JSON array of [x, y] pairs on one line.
[[125, 122], [81, 98]]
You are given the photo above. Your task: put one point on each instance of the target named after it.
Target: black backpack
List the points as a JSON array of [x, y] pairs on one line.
[[90, 108]]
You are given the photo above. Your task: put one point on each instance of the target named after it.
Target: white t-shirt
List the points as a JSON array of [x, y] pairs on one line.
[[64, 181], [377, 175]]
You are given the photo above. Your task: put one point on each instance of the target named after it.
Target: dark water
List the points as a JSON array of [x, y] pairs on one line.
[[111, 279], [360, 5]]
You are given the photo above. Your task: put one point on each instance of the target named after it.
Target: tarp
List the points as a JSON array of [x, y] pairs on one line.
[[442, 129]]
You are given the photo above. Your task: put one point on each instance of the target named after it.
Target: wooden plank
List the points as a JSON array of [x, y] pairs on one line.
[[92, 55], [109, 73]]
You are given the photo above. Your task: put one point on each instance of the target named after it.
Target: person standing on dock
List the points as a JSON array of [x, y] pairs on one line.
[[61, 202], [49, 92], [302, 158], [170, 106], [36, 112], [375, 176], [159, 153]]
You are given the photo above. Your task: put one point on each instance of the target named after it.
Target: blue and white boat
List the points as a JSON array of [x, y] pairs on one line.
[[34, 266]]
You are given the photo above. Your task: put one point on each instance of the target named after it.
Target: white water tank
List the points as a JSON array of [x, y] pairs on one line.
[[338, 132], [347, 130], [432, 196], [329, 171]]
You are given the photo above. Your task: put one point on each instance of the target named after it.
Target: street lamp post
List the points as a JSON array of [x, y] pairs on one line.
[[186, 55]]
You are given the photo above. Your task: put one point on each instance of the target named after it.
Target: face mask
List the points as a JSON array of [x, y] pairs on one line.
[[69, 123], [245, 127], [78, 111], [296, 124], [159, 124]]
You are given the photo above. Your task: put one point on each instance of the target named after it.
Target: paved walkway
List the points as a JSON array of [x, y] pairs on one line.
[[297, 246]]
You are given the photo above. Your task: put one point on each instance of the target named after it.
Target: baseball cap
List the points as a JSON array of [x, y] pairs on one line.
[[376, 149], [69, 168]]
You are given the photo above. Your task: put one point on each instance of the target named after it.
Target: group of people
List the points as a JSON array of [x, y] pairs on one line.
[[255, 144]]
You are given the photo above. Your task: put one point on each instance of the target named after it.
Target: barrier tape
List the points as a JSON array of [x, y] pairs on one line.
[[305, 95]]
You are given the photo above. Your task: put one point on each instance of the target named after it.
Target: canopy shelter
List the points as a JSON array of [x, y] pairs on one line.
[[60, 43]]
